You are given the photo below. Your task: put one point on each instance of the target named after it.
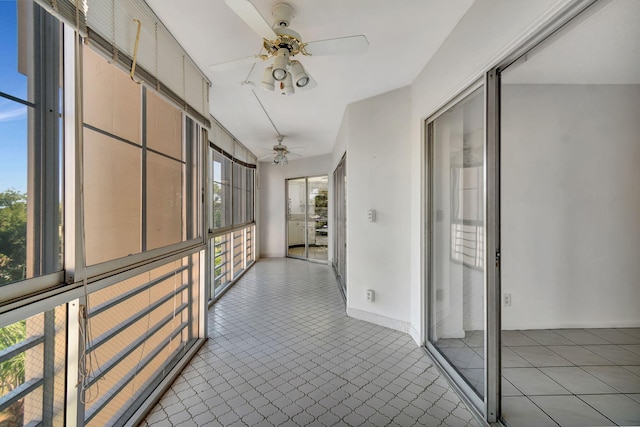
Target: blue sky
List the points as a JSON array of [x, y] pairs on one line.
[[13, 116]]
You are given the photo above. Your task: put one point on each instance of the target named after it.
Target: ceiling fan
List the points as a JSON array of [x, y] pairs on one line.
[[282, 43], [279, 153]]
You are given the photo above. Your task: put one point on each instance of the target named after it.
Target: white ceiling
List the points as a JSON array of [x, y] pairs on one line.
[[602, 49], [402, 34]]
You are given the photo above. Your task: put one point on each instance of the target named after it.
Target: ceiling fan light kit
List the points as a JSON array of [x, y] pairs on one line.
[[280, 152], [287, 85], [280, 64], [299, 75], [282, 43], [267, 79]]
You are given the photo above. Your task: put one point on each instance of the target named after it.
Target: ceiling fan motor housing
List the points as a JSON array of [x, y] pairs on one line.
[[283, 13]]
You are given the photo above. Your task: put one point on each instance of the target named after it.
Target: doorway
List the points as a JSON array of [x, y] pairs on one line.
[[340, 221], [307, 218]]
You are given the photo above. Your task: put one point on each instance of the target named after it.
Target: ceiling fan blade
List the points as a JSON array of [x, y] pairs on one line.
[[341, 45], [236, 63], [250, 15]]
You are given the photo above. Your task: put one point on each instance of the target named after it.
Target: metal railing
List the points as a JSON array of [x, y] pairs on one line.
[[231, 253], [30, 369], [140, 328]]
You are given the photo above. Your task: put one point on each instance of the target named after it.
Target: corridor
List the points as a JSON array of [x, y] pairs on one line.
[[282, 352]]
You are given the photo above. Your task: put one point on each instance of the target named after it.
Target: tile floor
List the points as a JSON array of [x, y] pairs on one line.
[[567, 377], [283, 352]]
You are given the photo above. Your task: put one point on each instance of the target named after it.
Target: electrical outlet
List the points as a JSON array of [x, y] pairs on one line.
[[371, 295], [506, 300]]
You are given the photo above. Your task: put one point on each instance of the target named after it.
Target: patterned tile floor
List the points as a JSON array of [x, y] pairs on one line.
[[282, 352], [566, 377]]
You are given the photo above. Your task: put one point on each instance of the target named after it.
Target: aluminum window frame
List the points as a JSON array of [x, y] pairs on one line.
[[47, 168], [480, 404]]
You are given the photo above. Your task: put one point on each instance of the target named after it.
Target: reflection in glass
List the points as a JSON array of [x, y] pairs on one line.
[[307, 220], [296, 208], [457, 277], [317, 217]]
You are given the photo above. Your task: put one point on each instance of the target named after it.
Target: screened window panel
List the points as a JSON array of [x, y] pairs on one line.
[[239, 199], [249, 195], [221, 192], [165, 201], [164, 127], [112, 101], [212, 189], [112, 197]]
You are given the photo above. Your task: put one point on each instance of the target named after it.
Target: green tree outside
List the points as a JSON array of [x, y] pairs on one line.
[[12, 372], [13, 236]]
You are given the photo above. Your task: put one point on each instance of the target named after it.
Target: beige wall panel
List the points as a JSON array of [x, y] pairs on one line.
[[165, 200], [97, 91], [164, 126], [127, 107], [111, 100], [112, 198]]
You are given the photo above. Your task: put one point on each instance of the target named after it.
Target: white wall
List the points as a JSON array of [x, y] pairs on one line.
[[271, 182], [377, 135], [571, 205]]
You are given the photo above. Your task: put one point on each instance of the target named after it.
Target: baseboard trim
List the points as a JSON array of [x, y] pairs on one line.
[[415, 334], [595, 324], [272, 255], [379, 319]]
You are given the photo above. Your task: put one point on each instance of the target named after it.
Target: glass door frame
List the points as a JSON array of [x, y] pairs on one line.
[[489, 406], [306, 218], [339, 260]]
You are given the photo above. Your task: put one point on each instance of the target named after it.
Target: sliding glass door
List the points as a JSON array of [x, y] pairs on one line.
[[457, 226], [307, 220], [340, 221]]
